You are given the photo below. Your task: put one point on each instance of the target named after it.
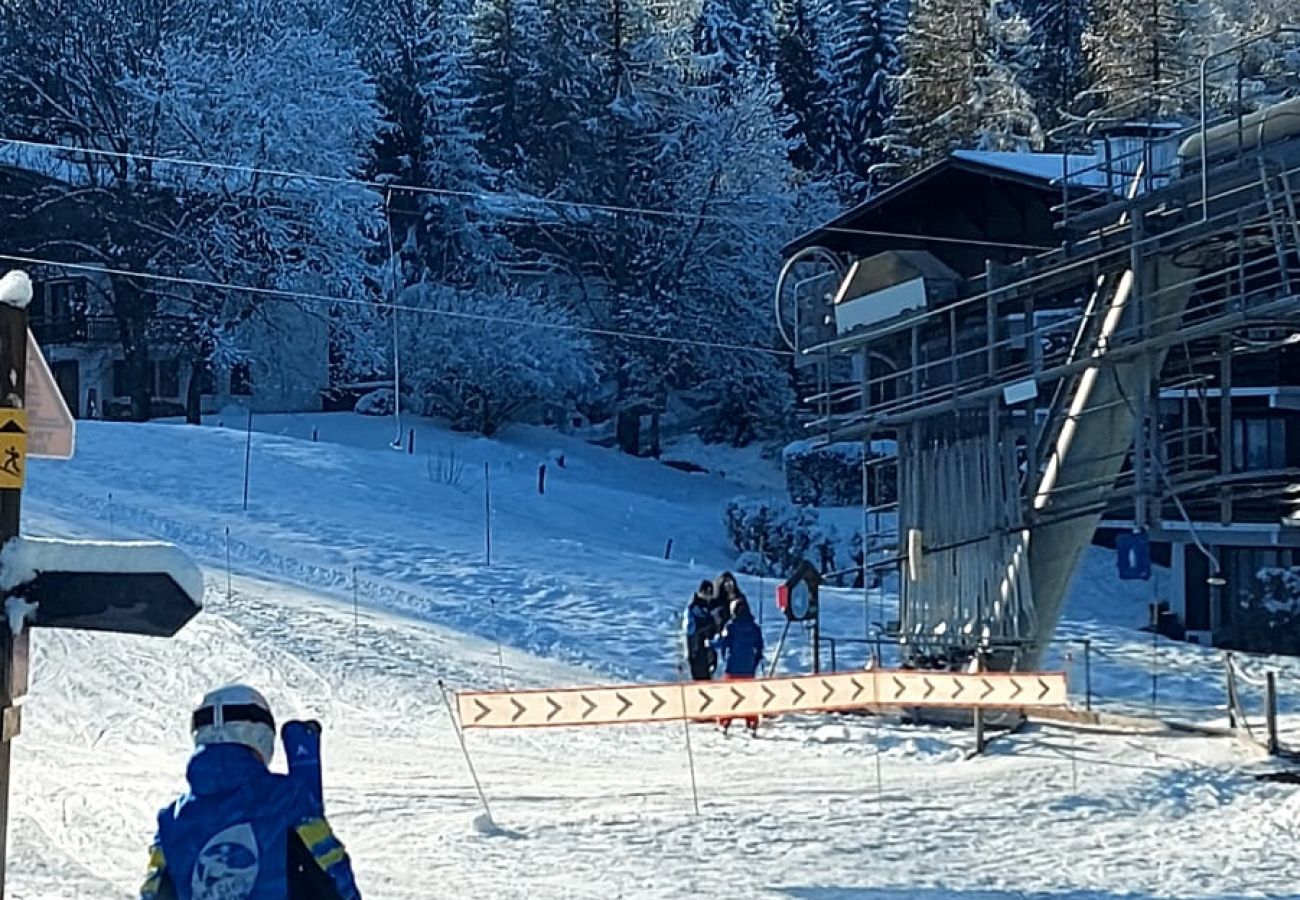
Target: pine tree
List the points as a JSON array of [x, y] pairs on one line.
[[865, 61], [503, 78], [962, 85], [1141, 55], [803, 69], [1056, 72]]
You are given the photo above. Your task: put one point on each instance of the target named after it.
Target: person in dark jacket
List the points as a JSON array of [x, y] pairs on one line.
[[725, 594], [700, 628], [741, 645], [243, 832]]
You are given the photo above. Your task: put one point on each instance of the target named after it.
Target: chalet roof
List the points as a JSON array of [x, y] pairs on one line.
[[986, 201]]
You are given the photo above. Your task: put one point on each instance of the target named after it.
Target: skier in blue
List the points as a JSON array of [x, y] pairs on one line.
[[741, 645], [243, 832]]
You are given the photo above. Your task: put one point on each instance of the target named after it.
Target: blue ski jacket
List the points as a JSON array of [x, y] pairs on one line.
[[245, 833], [741, 645]]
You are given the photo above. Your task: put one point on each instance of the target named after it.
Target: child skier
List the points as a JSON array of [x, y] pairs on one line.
[[242, 832], [700, 629], [741, 644]]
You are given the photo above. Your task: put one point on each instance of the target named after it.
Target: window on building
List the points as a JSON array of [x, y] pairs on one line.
[[121, 384], [241, 380], [1258, 443], [169, 378]]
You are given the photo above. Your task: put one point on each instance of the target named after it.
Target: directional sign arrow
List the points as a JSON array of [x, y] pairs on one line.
[[1017, 689], [858, 688], [830, 690], [626, 705], [483, 710], [901, 688], [519, 709], [555, 708], [798, 693], [659, 703], [961, 687], [708, 701], [929, 688], [1047, 689], [988, 688], [740, 698], [770, 696], [591, 706]]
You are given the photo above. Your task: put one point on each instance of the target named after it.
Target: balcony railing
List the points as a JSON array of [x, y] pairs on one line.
[[75, 330]]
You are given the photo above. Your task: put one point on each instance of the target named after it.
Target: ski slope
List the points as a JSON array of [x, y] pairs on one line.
[[578, 591]]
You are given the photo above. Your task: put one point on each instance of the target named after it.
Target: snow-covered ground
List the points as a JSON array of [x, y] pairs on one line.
[[578, 590]]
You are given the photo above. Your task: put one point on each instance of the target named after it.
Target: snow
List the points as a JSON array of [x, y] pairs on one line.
[[17, 613], [16, 289], [821, 807], [23, 558], [1046, 166]]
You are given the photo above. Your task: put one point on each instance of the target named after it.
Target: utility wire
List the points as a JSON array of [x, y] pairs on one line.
[[325, 300], [482, 194]]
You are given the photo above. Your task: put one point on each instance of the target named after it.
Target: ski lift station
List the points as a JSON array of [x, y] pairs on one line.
[[1099, 344]]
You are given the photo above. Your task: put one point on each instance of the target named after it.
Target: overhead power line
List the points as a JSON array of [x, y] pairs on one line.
[[486, 195], [326, 300]]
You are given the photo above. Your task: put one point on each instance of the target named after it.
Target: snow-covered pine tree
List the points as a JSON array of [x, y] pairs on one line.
[[962, 84], [803, 70], [1141, 55], [504, 75], [864, 63], [1056, 72]]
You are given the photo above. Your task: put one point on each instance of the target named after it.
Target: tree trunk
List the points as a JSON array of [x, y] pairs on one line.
[[194, 393], [133, 326]]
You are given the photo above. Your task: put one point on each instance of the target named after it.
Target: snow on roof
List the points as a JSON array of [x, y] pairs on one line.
[[1048, 167]]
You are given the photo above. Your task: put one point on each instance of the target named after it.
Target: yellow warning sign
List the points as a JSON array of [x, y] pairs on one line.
[[13, 448]]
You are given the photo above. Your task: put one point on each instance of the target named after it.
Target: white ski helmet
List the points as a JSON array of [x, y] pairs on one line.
[[235, 714]]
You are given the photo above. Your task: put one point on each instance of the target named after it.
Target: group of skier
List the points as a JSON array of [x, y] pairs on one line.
[[719, 623], [241, 832]]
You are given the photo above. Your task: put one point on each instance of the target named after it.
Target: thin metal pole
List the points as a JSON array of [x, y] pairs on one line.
[[110, 516], [392, 301], [356, 613], [248, 454], [460, 736], [487, 511], [690, 754], [1087, 673], [496, 632], [230, 588]]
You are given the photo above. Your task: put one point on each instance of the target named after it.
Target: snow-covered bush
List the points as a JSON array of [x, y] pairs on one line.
[[831, 474], [375, 403], [774, 535], [1266, 615], [483, 359]]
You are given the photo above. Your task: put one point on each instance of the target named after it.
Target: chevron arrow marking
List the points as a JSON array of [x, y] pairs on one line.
[[770, 696], [708, 701], [1047, 689], [798, 693], [1015, 683], [929, 688], [519, 710], [961, 687], [988, 688], [858, 688], [740, 698], [484, 711], [830, 691], [591, 706], [901, 688], [659, 703], [555, 708], [627, 704]]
